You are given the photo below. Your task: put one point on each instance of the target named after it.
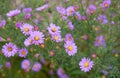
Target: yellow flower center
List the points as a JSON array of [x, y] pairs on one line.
[[36, 38], [70, 11], [105, 4], [42, 45], [56, 37], [9, 48], [53, 29], [86, 64], [35, 66], [70, 48], [26, 29], [96, 28], [23, 52]]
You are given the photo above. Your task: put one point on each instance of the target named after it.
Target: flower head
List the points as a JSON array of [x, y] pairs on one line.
[[68, 38], [105, 4], [37, 37], [27, 10], [100, 41], [45, 6], [25, 64], [36, 67], [13, 13], [71, 48], [86, 64], [9, 49], [56, 37], [23, 52], [91, 9], [70, 11], [2, 23], [8, 65], [53, 29], [102, 19], [26, 29], [78, 16], [18, 24], [70, 25], [28, 41]]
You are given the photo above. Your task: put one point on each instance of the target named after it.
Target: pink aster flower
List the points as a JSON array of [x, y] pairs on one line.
[[70, 25], [56, 37], [13, 13], [27, 10], [68, 38], [53, 29], [86, 64], [25, 64], [71, 48], [28, 41], [36, 67], [8, 65], [26, 29], [105, 4], [103, 19], [60, 72], [100, 41], [78, 16], [91, 9], [45, 6], [2, 23], [9, 49], [23, 52], [27, 16], [18, 24], [70, 11], [37, 37]]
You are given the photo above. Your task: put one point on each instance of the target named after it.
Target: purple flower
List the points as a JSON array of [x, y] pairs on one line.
[[27, 10], [23, 52], [13, 13], [60, 72], [78, 16], [9, 49], [86, 64], [100, 41], [64, 76], [56, 37], [91, 9], [70, 25], [68, 38], [25, 64], [27, 16], [105, 4], [2, 23], [71, 48], [18, 24], [102, 19], [26, 29], [28, 41], [70, 11], [37, 37], [53, 29], [8, 65], [85, 37], [36, 67], [104, 72], [45, 6]]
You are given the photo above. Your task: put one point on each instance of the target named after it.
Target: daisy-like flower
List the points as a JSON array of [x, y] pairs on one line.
[[70, 11], [91, 9], [28, 41], [37, 37], [70, 25], [13, 13], [45, 6], [57, 37], [25, 64], [86, 64], [105, 4], [36, 67], [102, 19], [9, 49], [2, 23], [23, 52], [100, 41], [53, 29], [68, 38], [26, 29], [27, 10], [78, 16], [71, 48]]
